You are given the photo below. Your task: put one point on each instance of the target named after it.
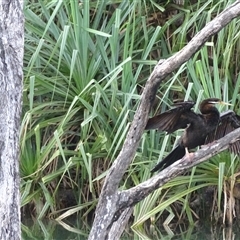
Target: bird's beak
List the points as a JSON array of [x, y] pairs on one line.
[[225, 103]]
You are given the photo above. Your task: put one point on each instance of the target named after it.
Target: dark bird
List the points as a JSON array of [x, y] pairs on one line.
[[199, 128]]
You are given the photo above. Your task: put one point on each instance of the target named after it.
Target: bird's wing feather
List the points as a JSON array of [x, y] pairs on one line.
[[229, 121], [174, 119]]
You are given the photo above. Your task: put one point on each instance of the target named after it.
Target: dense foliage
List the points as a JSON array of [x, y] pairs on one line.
[[85, 65]]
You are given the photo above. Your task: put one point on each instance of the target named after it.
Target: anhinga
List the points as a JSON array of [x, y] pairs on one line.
[[199, 128]]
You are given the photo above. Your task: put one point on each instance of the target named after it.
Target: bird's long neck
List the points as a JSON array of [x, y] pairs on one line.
[[209, 109], [210, 114]]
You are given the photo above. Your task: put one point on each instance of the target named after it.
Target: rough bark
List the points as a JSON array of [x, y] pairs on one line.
[[11, 64], [111, 203]]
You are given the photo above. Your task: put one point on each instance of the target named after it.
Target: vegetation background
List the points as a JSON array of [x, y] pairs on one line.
[[85, 65]]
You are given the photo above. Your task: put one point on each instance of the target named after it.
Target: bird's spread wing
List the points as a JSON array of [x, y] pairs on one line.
[[176, 118], [229, 121]]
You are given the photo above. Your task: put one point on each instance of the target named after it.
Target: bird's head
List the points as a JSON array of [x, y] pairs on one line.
[[209, 104]]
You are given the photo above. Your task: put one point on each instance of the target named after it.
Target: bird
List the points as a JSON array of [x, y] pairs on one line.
[[200, 128]]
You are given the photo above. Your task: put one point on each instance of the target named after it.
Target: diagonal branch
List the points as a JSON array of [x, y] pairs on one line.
[[161, 71]]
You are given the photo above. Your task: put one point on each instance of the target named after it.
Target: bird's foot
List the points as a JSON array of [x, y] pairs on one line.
[[188, 155]]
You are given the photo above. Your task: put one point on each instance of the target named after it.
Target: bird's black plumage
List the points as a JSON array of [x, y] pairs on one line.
[[228, 122], [199, 128]]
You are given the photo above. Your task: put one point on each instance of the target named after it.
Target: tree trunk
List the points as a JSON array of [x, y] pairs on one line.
[[11, 75]]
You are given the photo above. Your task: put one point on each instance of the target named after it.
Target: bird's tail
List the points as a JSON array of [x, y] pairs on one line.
[[176, 154]]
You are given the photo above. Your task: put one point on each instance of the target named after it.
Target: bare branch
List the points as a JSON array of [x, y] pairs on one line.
[[160, 72]]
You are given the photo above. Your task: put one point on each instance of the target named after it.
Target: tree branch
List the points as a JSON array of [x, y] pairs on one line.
[[109, 198]]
